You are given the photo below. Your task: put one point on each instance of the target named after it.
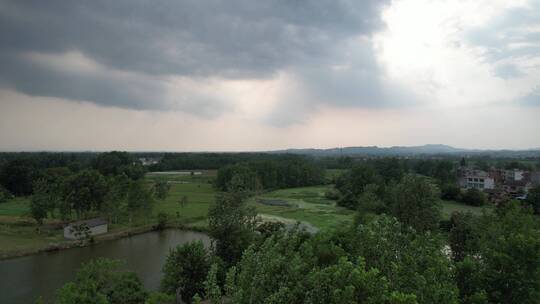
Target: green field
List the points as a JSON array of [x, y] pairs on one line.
[[18, 232], [19, 206], [448, 207], [306, 204]]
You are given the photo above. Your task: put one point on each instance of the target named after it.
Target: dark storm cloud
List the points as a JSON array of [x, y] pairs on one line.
[[192, 38]]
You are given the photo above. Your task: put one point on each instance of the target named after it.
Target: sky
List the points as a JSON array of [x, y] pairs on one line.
[[243, 75]]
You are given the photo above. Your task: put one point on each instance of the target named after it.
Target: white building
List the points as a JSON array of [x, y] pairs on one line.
[[87, 228], [477, 179], [514, 175]]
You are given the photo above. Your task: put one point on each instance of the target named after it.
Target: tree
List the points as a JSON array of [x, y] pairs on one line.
[[4, 194], [85, 191], [451, 192], [17, 176], [185, 270], [510, 255], [533, 199], [139, 199], [211, 286], [470, 282], [162, 220], [474, 197], [116, 199], [161, 189], [413, 262], [463, 239], [444, 172], [415, 202], [115, 163], [284, 270], [368, 204], [81, 232], [102, 281], [353, 183], [183, 201], [39, 202], [231, 225]]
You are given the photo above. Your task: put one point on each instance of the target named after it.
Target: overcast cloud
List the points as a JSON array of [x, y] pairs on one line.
[[272, 65]]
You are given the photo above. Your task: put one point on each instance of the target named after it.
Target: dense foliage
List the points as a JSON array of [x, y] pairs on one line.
[[253, 176], [185, 270], [102, 282], [231, 225]]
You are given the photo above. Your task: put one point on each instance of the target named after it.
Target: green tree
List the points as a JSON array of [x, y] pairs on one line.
[[4, 194], [116, 163], [463, 239], [102, 282], [17, 176], [162, 220], [116, 199], [183, 201], [161, 189], [451, 192], [470, 282], [353, 183], [415, 202], [85, 191], [283, 270], [185, 270], [474, 197], [412, 262], [139, 199], [160, 298], [231, 225], [533, 199], [211, 285], [510, 255], [39, 202], [369, 204]]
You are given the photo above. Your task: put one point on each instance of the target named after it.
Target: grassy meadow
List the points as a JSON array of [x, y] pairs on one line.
[[307, 205]]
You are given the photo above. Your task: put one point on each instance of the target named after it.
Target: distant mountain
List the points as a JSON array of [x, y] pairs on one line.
[[430, 149]]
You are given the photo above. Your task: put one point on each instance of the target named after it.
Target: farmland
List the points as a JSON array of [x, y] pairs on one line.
[[307, 205]]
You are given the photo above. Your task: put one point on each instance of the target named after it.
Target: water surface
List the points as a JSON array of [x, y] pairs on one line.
[[23, 279]]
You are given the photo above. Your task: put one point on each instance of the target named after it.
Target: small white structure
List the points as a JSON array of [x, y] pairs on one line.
[[82, 229], [477, 179], [514, 175]]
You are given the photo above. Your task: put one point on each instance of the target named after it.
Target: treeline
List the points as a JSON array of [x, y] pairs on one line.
[[109, 185], [63, 194], [187, 161], [19, 171], [493, 258], [269, 174]]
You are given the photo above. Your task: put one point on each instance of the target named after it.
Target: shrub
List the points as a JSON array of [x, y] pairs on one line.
[[474, 197]]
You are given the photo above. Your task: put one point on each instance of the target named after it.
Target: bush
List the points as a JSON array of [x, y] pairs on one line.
[[332, 194], [450, 192], [185, 270], [162, 221], [474, 197], [5, 195]]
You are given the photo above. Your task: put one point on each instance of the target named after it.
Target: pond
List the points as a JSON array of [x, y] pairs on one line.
[[24, 279]]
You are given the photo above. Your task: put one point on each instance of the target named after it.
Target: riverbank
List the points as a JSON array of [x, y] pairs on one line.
[[110, 236], [23, 280]]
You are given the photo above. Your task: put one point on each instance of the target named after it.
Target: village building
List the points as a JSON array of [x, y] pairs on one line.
[[476, 179], [147, 161], [87, 228]]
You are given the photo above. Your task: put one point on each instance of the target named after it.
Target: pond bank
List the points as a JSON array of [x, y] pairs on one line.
[[23, 279], [110, 236]]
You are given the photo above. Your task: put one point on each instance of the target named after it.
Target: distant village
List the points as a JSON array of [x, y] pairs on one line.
[[499, 184]]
